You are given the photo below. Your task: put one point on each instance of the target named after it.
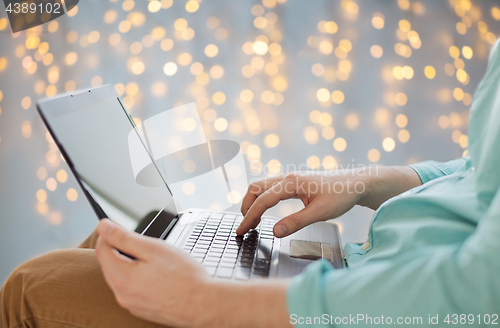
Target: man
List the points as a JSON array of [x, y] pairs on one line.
[[432, 255]]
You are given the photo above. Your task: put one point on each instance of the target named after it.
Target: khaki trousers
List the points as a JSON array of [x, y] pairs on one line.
[[63, 288]]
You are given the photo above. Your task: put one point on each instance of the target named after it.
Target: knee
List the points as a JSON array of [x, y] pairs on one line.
[[28, 285]]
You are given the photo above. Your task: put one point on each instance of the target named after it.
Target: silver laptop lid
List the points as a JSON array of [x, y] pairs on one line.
[[93, 132]]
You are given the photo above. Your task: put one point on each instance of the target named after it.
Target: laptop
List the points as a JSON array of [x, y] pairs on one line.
[[95, 134]]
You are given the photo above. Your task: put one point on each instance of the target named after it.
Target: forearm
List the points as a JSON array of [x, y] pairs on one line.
[[384, 182], [248, 304]]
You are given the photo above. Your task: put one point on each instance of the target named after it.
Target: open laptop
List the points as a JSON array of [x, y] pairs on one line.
[[92, 130]]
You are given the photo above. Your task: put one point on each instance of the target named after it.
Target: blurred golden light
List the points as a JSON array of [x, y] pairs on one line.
[[138, 68], [274, 167], [376, 51], [397, 71], [187, 34], [340, 144], [328, 132], [318, 69], [114, 39], [338, 97], [313, 162], [42, 208], [220, 33], [326, 47], [352, 121], [455, 136], [311, 135], [458, 94], [3, 23], [184, 59], [51, 184], [25, 102], [41, 173], [278, 99], [260, 47], [260, 22], [136, 18], [403, 136], [404, 25], [246, 96], [189, 124], [444, 122], [188, 188], [257, 62], [430, 72], [401, 99], [51, 91], [196, 68], [210, 115], [72, 195], [94, 36], [382, 116], [459, 63], [404, 4], [170, 68], [449, 69], [213, 22], [467, 99], [467, 52], [26, 129], [388, 144], [378, 21], [280, 84], [120, 89], [329, 162], [495, 12], [253, 152], [345, 45], [192, 6], [96, 81], [267, 97], [408, 72], [373, 155], [41, 196], [461, 28], [218, 98], [401, 120], [124, 26], [159, 89], [202, 79], [463, 141], [454, 52], [275, 49], [211, 50], [271, 140], [325, 119], [166, 44], [314, 116], [323, 94], [180, 24], [271, 69], [257, 10], [62, 176], [462, 76], [128, 5]]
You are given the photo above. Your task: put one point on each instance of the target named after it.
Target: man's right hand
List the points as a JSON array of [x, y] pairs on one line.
[[325, 196]]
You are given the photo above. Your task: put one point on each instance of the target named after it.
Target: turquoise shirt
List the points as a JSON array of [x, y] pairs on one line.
[[434, 251]]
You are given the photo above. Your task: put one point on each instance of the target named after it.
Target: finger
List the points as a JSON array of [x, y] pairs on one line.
[[285, 189], [114, 265], [128, 242], [255, 190], [313, 212]]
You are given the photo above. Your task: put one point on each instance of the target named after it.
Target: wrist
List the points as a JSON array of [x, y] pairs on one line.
[[369, 178]]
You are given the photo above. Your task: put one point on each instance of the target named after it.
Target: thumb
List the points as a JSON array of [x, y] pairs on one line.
[[126, 241], [296, 221]]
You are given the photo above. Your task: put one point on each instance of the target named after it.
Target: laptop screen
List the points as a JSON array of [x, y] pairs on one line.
[[100, 141]]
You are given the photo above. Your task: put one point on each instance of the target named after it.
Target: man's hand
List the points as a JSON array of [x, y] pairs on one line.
[[166, 286], [162, 285], [325, 196]]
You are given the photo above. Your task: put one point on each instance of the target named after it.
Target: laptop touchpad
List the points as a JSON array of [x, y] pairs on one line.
[[307, 250]]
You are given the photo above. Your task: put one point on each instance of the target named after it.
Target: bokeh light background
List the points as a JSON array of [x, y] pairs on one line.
[[312, 84]]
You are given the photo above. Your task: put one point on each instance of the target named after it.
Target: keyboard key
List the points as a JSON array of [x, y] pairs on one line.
[[211, 270], [225, 273], [241, 273]]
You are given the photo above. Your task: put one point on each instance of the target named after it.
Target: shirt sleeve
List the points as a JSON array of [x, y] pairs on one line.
[[441, 280], [430, 170]]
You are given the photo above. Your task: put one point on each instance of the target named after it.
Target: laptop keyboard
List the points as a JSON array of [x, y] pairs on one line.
[[223, 254]]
